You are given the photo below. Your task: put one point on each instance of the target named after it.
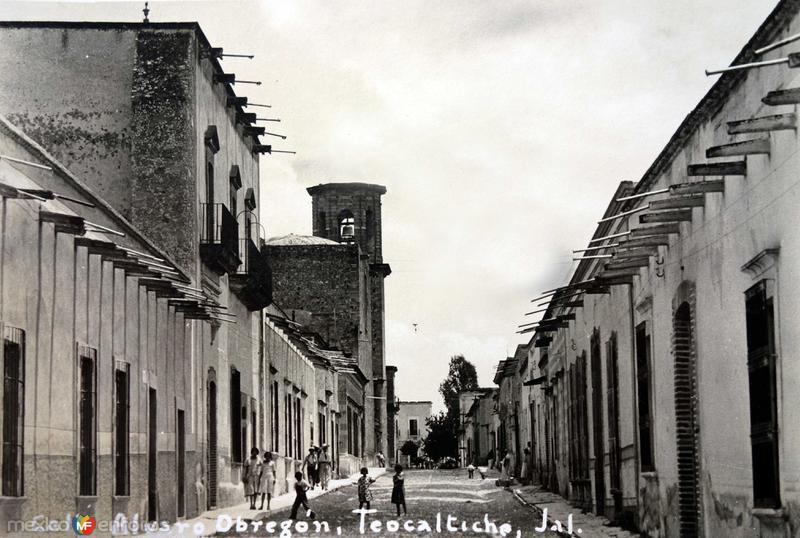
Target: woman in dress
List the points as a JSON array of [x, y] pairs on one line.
[[250, 474], [267, 481], [399, 489]]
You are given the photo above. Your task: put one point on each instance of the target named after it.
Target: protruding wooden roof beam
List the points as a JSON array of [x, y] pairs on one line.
[[635, 253], [622, 277], [756, 146], [782, 97], [731, 168], [667, 228], [630, 263], [777, 122], [649, 241], [713, 185], [600, 290], [666, 216], [678, 202]]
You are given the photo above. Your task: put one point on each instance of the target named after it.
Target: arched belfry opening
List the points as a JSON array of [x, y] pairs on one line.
[[347, 226]]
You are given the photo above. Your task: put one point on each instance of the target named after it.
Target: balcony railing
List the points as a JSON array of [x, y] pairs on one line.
[[252, 282], [219, 238]]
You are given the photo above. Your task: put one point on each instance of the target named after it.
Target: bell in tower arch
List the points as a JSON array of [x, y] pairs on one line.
[[347, 226]]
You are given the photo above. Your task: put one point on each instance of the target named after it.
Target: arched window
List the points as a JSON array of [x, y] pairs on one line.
[[347, 225]]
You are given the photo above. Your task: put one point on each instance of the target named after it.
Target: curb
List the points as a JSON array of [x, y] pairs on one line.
[[536, 509]]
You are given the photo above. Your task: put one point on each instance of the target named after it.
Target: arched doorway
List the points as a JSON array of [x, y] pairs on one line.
[[686, 424]]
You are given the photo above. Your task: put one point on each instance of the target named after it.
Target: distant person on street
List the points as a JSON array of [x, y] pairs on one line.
[[300, 496], [364, 494], [490, 458], [310, 466], [250, 475], [381, 459], [504, 466], [324, 467], [267, 479], [523, 475], [471, 470], [399, 489]]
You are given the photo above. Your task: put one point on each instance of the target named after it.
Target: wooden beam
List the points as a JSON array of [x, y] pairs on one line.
[[666, 216], [730, 168], [756, 146], [619, 278], [64, 223], [777, 122], [572, 304], [668, 228], [630, 263], [635, 253], [678, 202], [782, 97], [245, 117], [600, 290], [552, 328], [714, 185], [649, 241]]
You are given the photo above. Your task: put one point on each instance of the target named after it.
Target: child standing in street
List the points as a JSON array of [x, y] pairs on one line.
[[364, 494], [399, 489], [300, 489]]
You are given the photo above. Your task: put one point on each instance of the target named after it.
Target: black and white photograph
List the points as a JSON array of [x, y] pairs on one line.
[[342, 268]]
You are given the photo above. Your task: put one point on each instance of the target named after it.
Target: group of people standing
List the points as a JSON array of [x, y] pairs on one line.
[[507, 464], [365, 496], [258, 476], [317, 466]]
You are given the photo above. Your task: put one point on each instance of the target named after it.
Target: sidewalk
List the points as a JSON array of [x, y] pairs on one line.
[[208, 520], [559, 510]]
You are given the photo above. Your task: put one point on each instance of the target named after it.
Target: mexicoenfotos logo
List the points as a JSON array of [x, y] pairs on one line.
[[83, 524]]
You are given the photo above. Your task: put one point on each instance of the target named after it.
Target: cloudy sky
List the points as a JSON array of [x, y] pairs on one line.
[[500, 129]]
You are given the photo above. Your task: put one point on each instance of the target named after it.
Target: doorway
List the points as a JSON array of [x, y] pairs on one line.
[[211, 499], [181, 462], [686, 425], [597, 424], [152, 433]]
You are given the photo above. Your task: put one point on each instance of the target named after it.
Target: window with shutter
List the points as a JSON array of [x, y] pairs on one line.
[[761, 364], [87, 422], [13, 411], [644, 389]]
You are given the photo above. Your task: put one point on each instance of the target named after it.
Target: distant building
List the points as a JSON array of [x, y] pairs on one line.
[[474, 426], [411, 425]]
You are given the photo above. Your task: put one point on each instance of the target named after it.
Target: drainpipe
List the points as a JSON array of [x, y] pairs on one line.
[[634, 400]]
